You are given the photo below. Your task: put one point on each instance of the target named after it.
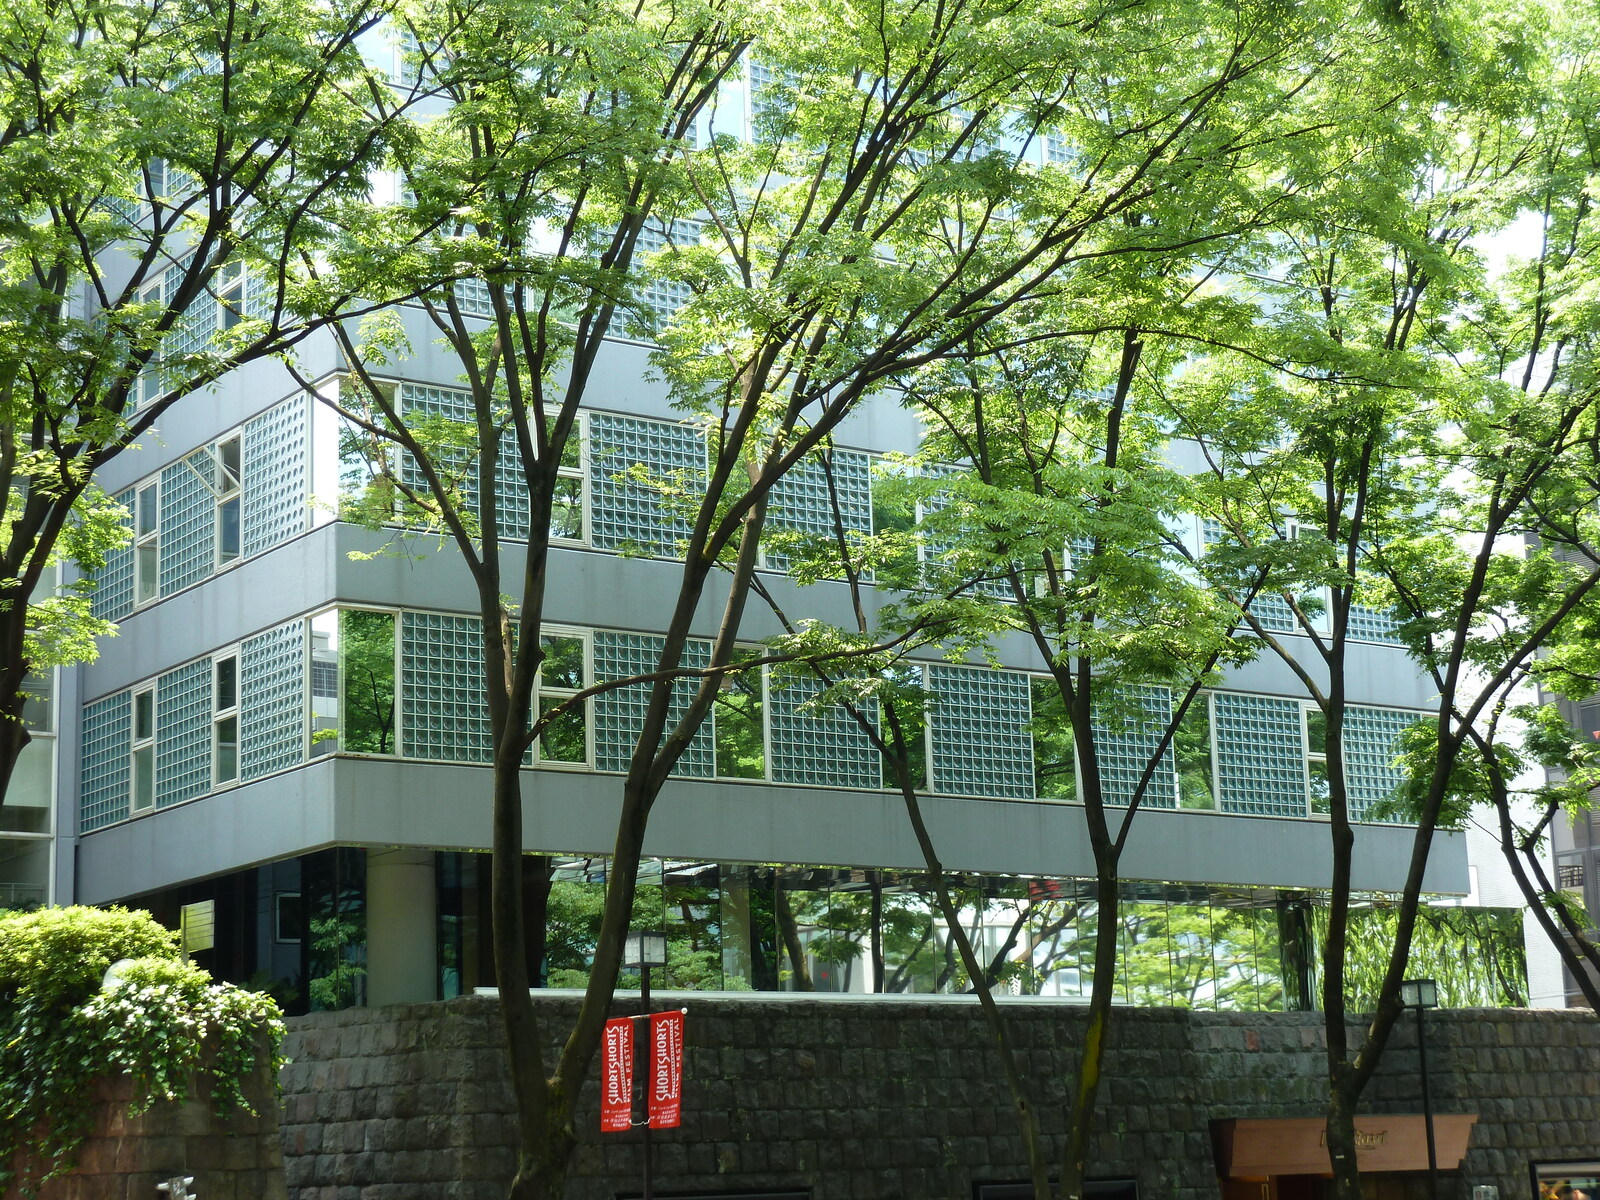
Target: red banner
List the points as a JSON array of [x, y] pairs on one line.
[[616, 1076], [666, 1069]]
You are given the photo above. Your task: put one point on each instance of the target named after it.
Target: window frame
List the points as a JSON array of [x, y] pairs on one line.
[[1308, 758], [580, 472], [222, 714], [147, 541], [227, 487], [141, 744], [585, 638]]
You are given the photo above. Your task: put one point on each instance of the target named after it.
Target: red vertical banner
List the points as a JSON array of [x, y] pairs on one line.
[[616, 1076], [666, 1069]]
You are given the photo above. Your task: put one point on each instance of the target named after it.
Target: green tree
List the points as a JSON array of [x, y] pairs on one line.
[[1421, 419], [166, 171]]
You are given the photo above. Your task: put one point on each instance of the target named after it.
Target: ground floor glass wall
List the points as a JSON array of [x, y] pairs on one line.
[[299, 928]]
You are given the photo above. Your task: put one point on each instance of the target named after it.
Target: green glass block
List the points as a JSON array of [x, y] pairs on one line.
[[619, 714], [1372, 625], [1259, 755], [631, 514], [825, 748], [658, 298], [936, 549], [803, 502], [103, 773], [113, 598], [183, 733], [1126, 742], [276, 487], [444, 714], [272, 700], [188, 523], [981, 743], [1370, 744], [511, 491]]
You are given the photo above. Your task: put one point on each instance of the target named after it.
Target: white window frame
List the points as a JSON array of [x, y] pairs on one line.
[[1309, 709], [228, 487], [580, 431], [223, 714], [147, 542], [141, 745], [228, 284], [540, 693], [147, 388]]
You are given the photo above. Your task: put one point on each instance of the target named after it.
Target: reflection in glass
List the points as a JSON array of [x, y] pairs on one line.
[[741, 751], [1192, 749], [366, 673], [1055, 772]]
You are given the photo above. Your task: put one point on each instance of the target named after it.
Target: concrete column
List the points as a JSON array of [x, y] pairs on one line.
[[402, 927]]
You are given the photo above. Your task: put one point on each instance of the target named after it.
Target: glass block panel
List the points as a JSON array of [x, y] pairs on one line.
[[619, 714], [443, 711], [472, 298], [1369, 748], [937, 549], [193, 331], [272, 674], [276, 484], [183, 733], [1269, 608], [511, 492], [1126, 741], [825, 748], [630, 513], [113, 599], [802, 501], [981, 743], [660, 298], [1372, 625], [1260, 760], [188, 523], [104, 769]]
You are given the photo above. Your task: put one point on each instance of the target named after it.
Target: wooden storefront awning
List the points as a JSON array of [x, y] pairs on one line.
[[1256, 1147]]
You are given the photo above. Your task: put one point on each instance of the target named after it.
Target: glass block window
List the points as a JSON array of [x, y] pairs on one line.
[[1369, 749], [936, 549], [188, 523], [633, 463], [443, 711], [660, 298], [183, 733], [272, 672], [803, 502], [276, 482], [1269, 608], [104, 774], [472, 298], [1259, 755], [1372, 625], [511, 491], [981, 744], [113, 598], [1127, 733], [822, 747], [619, 714]]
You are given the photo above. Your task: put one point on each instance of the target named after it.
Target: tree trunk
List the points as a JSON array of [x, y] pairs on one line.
[[1075, 1161]]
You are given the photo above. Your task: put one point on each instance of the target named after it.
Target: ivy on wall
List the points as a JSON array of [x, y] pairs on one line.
[[162, 1022]]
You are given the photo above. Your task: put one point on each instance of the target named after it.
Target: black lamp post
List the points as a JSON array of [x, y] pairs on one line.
[[643, 949], [1420, 994]]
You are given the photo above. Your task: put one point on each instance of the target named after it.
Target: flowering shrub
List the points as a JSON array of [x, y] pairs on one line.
[[162, 1023]]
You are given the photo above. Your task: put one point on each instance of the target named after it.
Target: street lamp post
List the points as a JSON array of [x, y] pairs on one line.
[[1420, 994], [643, 949]]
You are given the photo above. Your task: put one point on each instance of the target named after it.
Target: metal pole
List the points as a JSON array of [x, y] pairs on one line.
[[644, 994], [1427, 1109]]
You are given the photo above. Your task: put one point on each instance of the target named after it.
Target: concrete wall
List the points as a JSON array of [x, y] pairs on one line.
[[900, 1099]]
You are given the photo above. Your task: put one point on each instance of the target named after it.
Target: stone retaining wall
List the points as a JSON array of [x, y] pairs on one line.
[[232, 1157], [900, 1099]]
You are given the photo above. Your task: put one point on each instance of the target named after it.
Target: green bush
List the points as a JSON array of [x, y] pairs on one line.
[[60, 1031]]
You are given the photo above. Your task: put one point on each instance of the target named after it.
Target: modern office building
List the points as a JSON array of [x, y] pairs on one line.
[[282, 749]]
